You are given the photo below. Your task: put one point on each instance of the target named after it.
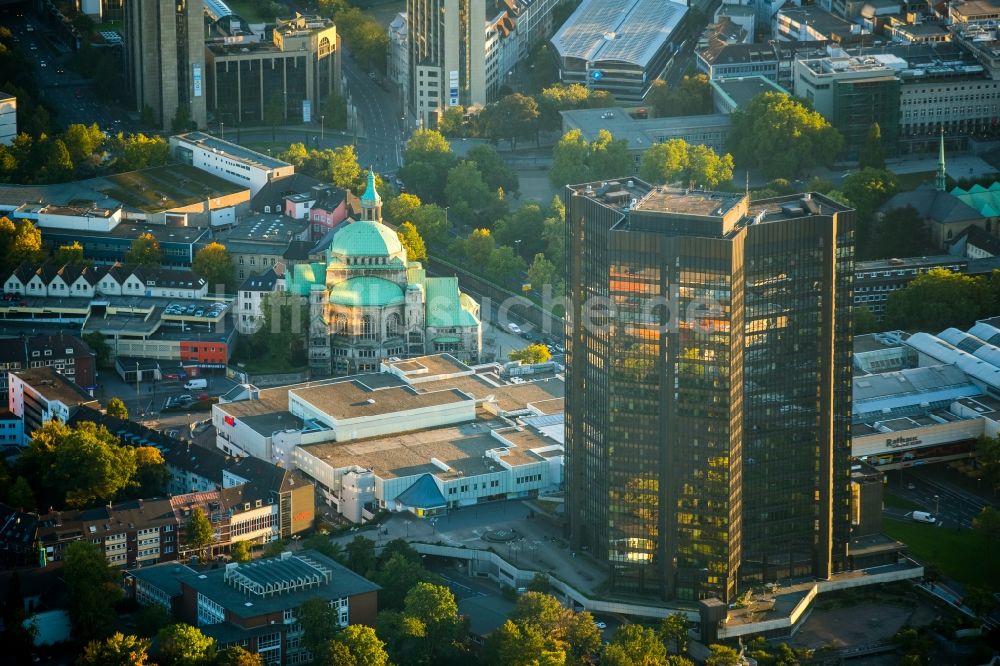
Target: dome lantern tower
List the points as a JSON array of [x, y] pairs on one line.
[[371, 202]]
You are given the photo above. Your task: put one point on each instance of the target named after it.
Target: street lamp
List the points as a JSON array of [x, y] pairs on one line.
[[321, 130], [222, 130], [937, 505]]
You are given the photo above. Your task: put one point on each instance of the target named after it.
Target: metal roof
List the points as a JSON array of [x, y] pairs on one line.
[[366, 291], [629, 31], [366, 238]]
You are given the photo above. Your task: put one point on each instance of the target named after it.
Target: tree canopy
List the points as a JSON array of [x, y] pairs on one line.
[[184, 645], [781, 136], [692, 97], [214, 264], [145, 251], [93, 591], [412, 241], [531, 354], [940, 299]]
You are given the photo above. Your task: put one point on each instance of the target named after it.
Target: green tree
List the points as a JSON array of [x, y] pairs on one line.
[[321, 542], [511, 118], [199, 534], [468, 195], [184, 645], [20, 495], [58, 164], [215, 265], [76, 466], [673, 631], [543, 272], [495, 172], [150, 619], [360, 555], [116, 650], [609, 157], [988, 460], [181, 121], [521, 229], [364, 645], [93, 591], [337, 654], [640, 643], [899, 232], [138, 151], [397, 576], [275, 548], [936, 300], [116, 408], [707, 169], [864, 321], [781, 136], [664, 162], [505, 267], [411, 240], [427, 156], [522, 645], [478, 248], [872, 152], [868, 189], [69, 254], [398, 210], [84, 144], [319, 623], [344, 169], [432, 223], [27, 243], [531, 354], [979, 600], [453, 121], [722, 656], [237, 656], [240, 552], [693, 96], [569, 160], [145, 251], [280, 334], [274, 113], [987, 523], [100, 347], [434, 606], [18, 640]]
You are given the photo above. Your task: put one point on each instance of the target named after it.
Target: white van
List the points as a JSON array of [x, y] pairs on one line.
[[924, 517], [195, 384]]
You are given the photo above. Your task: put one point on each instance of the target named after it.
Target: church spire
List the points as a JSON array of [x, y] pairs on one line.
[[371, 202], [940, 181]]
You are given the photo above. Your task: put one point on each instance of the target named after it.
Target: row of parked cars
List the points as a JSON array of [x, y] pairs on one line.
[[195, 310]]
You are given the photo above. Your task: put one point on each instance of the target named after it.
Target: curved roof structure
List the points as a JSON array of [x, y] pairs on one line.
[[366, 238], [976, 368], [366, 291], [626, 31]]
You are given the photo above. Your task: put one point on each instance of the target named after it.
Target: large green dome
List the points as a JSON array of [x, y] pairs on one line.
[[366, 291], [366, 238]]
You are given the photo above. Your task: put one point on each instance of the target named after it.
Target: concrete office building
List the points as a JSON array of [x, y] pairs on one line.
[[229, 161], [38, 395], [299, 65], [708, 419], [460, 52], [165, 57], [620, 46]]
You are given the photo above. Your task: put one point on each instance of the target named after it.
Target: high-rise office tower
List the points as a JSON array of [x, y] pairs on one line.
[[708, 381], [165, 57]]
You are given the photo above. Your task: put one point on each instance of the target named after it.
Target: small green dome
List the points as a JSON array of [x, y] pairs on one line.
[[366, 238], [366, 291]]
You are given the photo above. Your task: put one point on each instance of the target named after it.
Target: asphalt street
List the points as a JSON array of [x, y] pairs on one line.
[[942, 491], [380, 134]]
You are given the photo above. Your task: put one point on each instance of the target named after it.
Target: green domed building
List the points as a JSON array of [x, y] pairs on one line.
[[368, 303]]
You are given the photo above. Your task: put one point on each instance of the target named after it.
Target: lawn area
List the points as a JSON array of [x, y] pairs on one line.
[[965, 556]]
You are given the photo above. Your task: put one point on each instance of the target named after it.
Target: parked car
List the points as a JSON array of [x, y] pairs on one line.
[[175, 376], [514, 328]]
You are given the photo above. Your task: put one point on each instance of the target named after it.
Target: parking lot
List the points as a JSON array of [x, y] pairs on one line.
[[194, 310]]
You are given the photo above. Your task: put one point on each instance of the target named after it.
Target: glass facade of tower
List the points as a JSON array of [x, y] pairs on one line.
[[708, 380]]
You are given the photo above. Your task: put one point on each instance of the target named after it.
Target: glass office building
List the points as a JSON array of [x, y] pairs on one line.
[[708, 379]]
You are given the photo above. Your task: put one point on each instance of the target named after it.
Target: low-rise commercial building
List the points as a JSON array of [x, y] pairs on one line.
[[253, 605], [618, 47], [227, 160], [874, 280], [731, 94], [38, 395], [422, 435], [813, 24], [258, 242]]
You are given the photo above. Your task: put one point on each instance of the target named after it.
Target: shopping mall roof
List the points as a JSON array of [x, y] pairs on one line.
[[624, 31]]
